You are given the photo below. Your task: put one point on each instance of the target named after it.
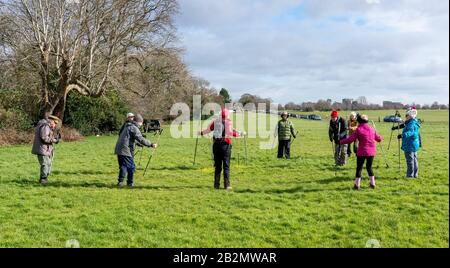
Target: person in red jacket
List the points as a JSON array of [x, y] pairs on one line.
[[367, 149], [223, 132]]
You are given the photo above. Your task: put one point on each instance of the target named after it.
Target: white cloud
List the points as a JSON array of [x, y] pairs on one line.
[[306, 50], [371, 2]]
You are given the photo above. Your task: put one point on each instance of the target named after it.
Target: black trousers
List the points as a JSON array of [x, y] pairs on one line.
[[284, 149], [222, 157], [355, 148], [360, 164]]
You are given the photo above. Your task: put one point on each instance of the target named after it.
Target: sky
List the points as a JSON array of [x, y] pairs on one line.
[[306, 50]]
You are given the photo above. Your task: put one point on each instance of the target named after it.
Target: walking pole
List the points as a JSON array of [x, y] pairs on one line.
[[294, 138], [339, 141], [246, 150], [239, 152], [140, 155], [381, 147], [390, 139], [212, 151], [398, 131], [333, 150], [195, 152], [151, 155]]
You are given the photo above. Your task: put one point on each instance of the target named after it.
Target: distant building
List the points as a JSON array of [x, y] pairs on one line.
[[392, 105], [347, 104]]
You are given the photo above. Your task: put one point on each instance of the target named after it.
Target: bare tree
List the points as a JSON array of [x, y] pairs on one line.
[[77, 44]]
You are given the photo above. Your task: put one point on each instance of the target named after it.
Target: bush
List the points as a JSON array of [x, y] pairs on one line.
[[12, 137], [15, 119], [69, 134], [95, 115]]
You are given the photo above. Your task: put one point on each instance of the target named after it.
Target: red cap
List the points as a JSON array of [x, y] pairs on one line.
[[334, 114], [225, 113]]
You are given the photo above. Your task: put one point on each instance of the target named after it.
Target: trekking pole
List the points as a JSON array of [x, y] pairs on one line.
[[239, 151], [296, 134], [140, 155], [390, 139], [381, 147], [246, 150], [398, 131], [212, 151], [195, 152], [151, 155], [339, 142]]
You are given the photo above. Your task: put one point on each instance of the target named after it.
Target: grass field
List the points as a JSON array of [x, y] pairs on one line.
[[274, 203]]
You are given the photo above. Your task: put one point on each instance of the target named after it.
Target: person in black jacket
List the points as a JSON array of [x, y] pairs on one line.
[[336, 133]]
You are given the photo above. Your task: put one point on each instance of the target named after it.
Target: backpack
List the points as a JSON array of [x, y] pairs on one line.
[[219, 131]]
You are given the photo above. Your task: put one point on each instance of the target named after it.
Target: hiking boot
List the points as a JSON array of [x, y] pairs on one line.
[[357, 185], [372, 182]]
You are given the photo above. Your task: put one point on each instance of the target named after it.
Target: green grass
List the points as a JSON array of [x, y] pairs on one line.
[[274, 203]]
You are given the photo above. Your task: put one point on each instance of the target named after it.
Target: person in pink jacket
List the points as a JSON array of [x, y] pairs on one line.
[[367, 149]]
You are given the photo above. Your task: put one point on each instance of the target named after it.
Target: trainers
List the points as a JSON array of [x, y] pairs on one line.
[[120, 184], [43, 181], [130, 185], [229, 188]]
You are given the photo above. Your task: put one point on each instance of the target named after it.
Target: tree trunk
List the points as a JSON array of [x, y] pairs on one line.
[[60, 107]]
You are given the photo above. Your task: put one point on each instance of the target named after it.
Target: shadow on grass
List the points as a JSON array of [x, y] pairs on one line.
[[173, 168], [84, 172], [299, 189], [109, 185]]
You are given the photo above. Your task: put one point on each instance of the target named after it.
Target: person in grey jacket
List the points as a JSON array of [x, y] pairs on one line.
[[125, 149], [44, 139]]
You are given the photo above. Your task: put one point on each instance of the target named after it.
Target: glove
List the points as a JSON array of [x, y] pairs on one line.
[[402, 126], [399, 137], [58, 138]]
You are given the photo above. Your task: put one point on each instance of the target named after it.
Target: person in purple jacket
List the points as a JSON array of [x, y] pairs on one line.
[[367, 149]]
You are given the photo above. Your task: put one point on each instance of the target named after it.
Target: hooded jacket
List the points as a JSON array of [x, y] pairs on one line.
[[43, 139], [411, 136], [366, 137]]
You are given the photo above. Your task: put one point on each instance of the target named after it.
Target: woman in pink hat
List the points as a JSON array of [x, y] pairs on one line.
[[367, 149]]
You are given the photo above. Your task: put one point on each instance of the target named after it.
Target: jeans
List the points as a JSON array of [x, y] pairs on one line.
[[46, 165], [222, 157], [126, 165], [284, 148], [355, 148], [340, 156], [412, 163]]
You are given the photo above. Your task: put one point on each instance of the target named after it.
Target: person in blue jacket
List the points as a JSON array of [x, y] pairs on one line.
[[411, 143]]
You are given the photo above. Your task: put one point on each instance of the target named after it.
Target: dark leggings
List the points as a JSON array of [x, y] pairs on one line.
[[360, 164]]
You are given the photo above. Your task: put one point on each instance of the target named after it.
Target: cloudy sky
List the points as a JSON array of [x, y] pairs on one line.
[[305, 50]]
